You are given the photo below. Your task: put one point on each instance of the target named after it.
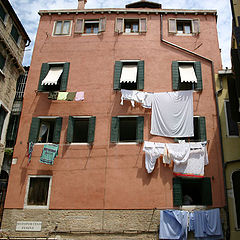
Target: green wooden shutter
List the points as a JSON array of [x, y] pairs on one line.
[[91, 129], [175, 75], [202, 129], [117, 75], [57, 130], [198, 72], [140, 128], [115, 129], [44, 71], [34, 130], [13, 127], [2, 61], [70, 129], [140, 75], [177, 192], [206, 191], [64, 76]]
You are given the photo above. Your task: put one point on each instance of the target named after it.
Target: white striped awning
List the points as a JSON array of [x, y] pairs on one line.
[[129, 74], [52, 76], [187, 73]]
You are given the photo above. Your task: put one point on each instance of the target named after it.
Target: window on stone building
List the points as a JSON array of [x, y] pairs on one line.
[[129, 75], [81, 129], [15, 34], [127, 129], [3, 13], [38, 191], [62, 28], [3, 114]]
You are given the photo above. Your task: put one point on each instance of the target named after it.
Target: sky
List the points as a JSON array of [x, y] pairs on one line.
[[27, 11]]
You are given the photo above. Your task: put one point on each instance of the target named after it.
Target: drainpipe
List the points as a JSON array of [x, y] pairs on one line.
[[218, 117]]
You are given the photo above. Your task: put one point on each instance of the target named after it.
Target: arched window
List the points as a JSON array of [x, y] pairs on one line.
[[236, 191]]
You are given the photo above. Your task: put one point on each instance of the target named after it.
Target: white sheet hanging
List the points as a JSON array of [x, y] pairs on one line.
[[187, 73], [53, 75], [129, 74], [172, 114]]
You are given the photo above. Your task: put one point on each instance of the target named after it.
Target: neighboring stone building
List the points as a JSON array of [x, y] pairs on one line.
[[98, 186], [13, 40]]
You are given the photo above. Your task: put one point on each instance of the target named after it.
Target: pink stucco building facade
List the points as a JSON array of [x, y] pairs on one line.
[[98, 186]]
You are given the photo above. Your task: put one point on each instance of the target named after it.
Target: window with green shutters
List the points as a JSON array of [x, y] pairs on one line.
[[127, 129], [61, 82], [176, 78], [200, 133], [184, 191], [15, 33], [132, 84], [45, 130], [81, 129]]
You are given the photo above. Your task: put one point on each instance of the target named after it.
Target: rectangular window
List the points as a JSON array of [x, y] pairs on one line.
[[2, 61], [38, 191], [184, 191], [236, 189], [128, 26], [81, 129], [53, 77], [12, 130], [15, 34], [62, 27], [184, 26], [127, 129], [90, 26], [3, 114], [231, 125], [200, 134], [3, 13], [186, 75], [129, 75], [45, 130]]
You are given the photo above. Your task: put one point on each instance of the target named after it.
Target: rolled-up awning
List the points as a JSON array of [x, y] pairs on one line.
[[187, 73], [129, 74], [53, 76]]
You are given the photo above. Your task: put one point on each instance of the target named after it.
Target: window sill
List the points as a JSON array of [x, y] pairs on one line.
[[35, 207], [81, 144], [131, 33], [193, 207], [185, 34], [91, 34], [127, 143], [61, 35], [232, 136]]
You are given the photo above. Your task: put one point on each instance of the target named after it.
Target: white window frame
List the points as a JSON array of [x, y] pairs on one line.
[[26, 206], [62, 35], [226, 119], [5, 124]]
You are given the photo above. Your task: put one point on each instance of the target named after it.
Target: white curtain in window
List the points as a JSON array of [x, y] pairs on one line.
[[58, 27], [129, 74], [66, 27], [53, 76], [187, 73]]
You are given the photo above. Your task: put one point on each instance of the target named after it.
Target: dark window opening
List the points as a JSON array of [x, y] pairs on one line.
[[127, 129], [46, 131], [236, 190], [232, 126], [80, 132], [91, 26], [2, 13], [184, 26], [15, 34], [131, 25], [3, 114], [38, 191]]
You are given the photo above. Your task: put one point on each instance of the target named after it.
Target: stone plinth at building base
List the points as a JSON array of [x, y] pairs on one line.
[[83, 224]]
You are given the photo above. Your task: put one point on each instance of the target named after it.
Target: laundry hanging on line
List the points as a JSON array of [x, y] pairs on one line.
[[49, 153]]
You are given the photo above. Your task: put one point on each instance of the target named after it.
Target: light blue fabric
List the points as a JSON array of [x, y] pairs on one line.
[[30, 150], [207, 224], [173, 224], [49, 153]]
